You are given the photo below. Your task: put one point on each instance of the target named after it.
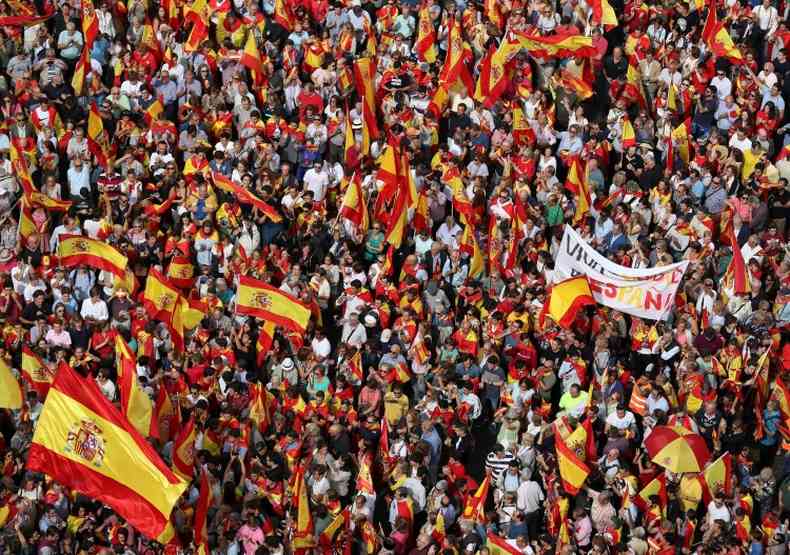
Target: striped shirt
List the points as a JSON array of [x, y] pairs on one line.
[[497, 465]]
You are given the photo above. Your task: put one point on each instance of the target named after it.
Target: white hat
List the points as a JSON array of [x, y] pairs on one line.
[[356, 123], [370, 321], [288, 364], [386, 335]]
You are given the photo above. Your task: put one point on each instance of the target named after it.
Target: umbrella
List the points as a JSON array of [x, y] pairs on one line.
[[677, 449]]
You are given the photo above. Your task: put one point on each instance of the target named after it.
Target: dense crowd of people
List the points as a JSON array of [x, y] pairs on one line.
[[426, 370]]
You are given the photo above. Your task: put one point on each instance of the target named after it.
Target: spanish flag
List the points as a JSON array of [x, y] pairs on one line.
[[251, 59], [459, 54], [497, 545], [351, 153], [153, 112], [264, 343], [26, 226], [718, 39], [560, 45], [97, 138], [90, 23], [10, 390], [565, 300], [166, 417], [83, 442], [656, 487], [573, 471], [37, 375], [469, 245], [364, 481], [303, 534], [160, 298], [261, 300], [354, 207], [475, 505], [81, 70], [36, 199], [682, 136], [576, 182], [74, 250], [259, 406], [136, 406], [341, 521], [197, 14], [364, 78], [425, 47], [580, 87], [629, 137], [201, 515], [283, 15], [603, 14], [717, 477], [184, 451], [781, 394], [245, 197], [181, 272]]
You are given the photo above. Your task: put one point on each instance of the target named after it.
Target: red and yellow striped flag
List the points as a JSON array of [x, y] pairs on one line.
[[205, 500], [10, 390], [717, 478], [573, 471], [264, 343], [303, 534], [603, 14], [153, 112], [136, 406], [565, 299], [36, 199], [259, 406], [354, 207], [459, 54], [181, 272], [261, 300], [497, 545], [718, 39], [35, 372], [90, 23], [184, 451], [251, 59], [74, 250], [244, 196], [629, 137], [475, 505], [85, 443], [560, 45], [364, 78], [81, 71], [425, 47]]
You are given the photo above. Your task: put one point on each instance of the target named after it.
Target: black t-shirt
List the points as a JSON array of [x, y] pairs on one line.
[[613, 69], [32, 312]]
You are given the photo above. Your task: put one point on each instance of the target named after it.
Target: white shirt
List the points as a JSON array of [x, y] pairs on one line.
[[529, 496], [723, 86], [97, 310], [317, 182], [321, 347], [623, 423]]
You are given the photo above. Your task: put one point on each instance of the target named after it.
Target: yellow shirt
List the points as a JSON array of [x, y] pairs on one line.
[[395, 407], [690, 492]]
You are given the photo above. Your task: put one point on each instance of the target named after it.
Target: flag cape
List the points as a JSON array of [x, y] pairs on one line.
[[566, 299], [74, 250], [83, 442], [261, 300], [136, 406]]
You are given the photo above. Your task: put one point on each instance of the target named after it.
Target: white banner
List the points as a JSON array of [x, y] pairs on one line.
[[647, 293]]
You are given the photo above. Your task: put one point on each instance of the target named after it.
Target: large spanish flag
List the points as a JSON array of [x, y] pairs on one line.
[[35, 372], [573, 471], [425, 47], [205, 500], [459, 54], [37, 199], [261, 300], [74, 250], [10, 390], [304, 532], [136, 405], [560, 45], [85, 443], [566, 299]]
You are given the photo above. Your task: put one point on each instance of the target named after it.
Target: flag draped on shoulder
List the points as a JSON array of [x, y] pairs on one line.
[[261, 300], [85, 443]]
